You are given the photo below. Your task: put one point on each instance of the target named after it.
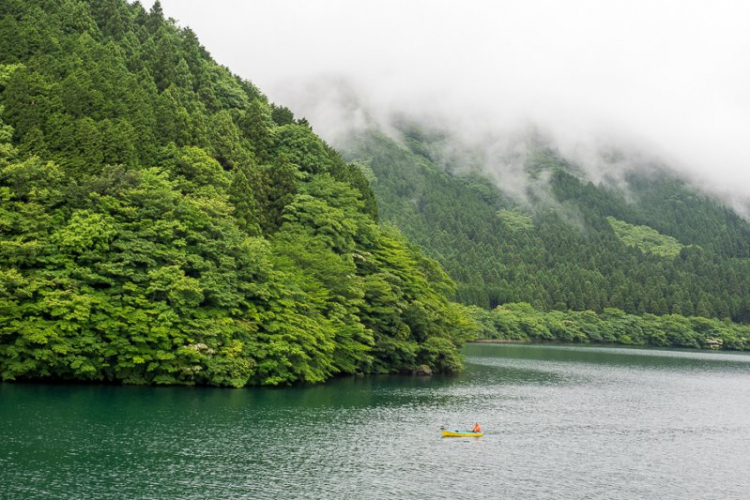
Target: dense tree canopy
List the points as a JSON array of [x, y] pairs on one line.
[[656, 246], [162, 222], [521, 322]]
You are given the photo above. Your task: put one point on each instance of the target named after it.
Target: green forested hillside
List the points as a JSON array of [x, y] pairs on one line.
[[656, 246], [162, 222]]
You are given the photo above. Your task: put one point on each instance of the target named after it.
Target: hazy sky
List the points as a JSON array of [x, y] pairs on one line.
[[673, 76]]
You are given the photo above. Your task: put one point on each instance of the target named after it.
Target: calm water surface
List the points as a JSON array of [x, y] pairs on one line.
[[561, 422]]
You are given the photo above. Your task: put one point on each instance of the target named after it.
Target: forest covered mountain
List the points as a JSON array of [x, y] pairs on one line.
[[649, 244], [162, 222]]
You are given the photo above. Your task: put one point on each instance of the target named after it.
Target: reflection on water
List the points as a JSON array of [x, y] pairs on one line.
[[561, 422]]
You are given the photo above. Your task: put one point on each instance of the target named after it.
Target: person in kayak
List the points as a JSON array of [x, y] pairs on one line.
[[476, 428]]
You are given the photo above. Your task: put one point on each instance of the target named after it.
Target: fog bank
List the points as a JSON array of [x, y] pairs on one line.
[[670, 79]]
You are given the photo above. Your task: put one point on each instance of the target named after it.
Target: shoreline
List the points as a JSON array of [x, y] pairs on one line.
[[603, 344]]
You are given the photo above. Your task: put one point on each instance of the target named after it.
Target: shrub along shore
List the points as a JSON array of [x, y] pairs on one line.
[[522, 322]]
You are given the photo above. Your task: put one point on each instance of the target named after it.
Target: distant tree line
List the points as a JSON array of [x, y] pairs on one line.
[[521, 322]]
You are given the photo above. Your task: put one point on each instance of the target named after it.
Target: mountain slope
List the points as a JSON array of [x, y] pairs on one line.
[[162, 222], [562, 245]]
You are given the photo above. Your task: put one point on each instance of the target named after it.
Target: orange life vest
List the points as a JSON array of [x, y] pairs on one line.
[[477, 428]]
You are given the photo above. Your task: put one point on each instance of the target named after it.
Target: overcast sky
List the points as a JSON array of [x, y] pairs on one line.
[[673, 76]]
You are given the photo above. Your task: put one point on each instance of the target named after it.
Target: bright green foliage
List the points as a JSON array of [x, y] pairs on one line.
[[645, 238], [413, 284], [516, 220], [161, 223], [522, 322]]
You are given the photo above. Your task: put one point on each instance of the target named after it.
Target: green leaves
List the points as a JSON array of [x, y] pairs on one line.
[[86, 231], [161, 223], [523, 322], [645, 238]]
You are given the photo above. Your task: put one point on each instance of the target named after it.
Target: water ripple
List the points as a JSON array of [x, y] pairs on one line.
[[560, 423]]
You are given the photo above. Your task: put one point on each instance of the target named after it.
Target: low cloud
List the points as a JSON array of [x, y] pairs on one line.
[[667, 81]]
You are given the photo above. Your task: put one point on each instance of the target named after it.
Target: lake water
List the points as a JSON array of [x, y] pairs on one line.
[[560, 422]]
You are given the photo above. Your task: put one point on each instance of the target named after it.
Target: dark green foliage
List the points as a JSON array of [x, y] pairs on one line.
[[161, 223], [658, 248], [281, 115], [257, 127]]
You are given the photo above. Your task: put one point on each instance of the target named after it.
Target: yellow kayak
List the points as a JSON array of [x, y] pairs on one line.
[[468, 434]]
